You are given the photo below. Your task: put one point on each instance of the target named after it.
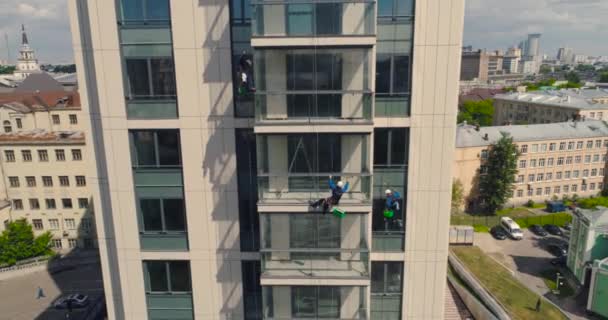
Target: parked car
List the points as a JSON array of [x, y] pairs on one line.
[[498, 233], [560, 261], [77, 300], [511, 228], [553, 229], [555, 206], [558, 250], [538, 230]]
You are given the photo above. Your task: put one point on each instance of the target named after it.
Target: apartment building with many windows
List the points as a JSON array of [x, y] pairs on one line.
[[556, 160], [550, 106], [215, 125]]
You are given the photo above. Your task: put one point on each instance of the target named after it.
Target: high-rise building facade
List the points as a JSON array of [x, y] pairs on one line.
[[217, 124]]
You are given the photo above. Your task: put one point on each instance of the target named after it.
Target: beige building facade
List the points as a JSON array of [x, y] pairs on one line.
[[556, 160], [550, 106], [204, 178]]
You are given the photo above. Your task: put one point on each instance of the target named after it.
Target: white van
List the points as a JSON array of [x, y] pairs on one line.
[[512, 228]]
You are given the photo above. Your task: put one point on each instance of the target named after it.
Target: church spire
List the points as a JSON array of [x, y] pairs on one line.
[[23, 35]]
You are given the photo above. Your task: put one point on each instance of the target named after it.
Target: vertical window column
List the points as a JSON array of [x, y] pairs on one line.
[[168, 289], [386, 290]]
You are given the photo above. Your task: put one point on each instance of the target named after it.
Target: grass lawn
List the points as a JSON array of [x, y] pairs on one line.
[[549, 277], [515, 213], [512, 294]]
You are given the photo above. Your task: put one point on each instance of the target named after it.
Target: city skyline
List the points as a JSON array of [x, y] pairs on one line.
[[489, 24]]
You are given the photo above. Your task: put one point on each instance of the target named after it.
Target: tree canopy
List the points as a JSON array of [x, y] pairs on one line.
[[457, 196], [573, 77], [604, 77], [7, 69], [477, 112], [17, 242], [496, 181]]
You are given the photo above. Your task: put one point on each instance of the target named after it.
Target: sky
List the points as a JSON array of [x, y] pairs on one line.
[[489, 24]]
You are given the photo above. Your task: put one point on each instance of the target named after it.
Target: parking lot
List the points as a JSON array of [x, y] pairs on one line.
[[527, 259], [19, 294]]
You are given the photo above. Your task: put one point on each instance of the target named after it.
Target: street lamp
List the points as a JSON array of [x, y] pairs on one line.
[[558, 282]]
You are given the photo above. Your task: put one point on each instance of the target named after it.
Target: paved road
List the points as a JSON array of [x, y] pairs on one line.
[[527, 258], [18, 295]]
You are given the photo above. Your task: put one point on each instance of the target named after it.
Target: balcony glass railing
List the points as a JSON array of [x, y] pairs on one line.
[[314, 302], [313, 18], [315, 263], [314, 106], [300, 187]]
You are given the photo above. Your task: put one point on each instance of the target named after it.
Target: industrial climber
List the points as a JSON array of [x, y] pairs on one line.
[[245, 74], [392, 203], [337, 190]]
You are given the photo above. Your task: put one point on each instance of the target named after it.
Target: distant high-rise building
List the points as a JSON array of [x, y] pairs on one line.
[[474, 66], [533, 45], [565, 55]]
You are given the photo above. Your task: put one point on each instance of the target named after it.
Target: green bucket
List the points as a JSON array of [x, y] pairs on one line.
[[339, 213], [389, 213]]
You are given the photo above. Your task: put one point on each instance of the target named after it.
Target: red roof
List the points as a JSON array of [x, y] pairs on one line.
[[43, 100]]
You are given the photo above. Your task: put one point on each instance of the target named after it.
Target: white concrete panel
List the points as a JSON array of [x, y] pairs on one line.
[[432, 21]]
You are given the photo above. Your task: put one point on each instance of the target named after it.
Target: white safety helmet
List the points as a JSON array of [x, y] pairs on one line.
[[388, 191], [340, 184]]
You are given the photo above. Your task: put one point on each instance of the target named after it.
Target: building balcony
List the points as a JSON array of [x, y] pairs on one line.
[[310, 22], [314, 302], [314, 107], [296, 168], [304, 245]]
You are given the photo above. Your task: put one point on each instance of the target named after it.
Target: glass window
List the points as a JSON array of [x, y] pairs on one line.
[[50, 204], [524, 148], [395, 8], [83, 203], [163, 214], [37, 223], [67, 203], [43, 156], [56, 119], [9, 155], [81, 181], [60, 154], [34, 204], [252, 291], [522, 164], [70, 223], [391, 146], [26, 155], [314, 231], [144, 11], [155, 148], [167, 276], [14, 182], [76, 155], [18, 204], [552, 147], [19, 123], [151, 77], [386, 289], [64, 181], [315, 302], [54, 224], [73, 119], [246, 166], [31, 181]]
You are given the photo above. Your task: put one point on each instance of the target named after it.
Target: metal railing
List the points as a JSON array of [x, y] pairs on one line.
[[317, 262]]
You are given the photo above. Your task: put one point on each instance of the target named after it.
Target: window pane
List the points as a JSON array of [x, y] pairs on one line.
[[398, 146], [174, 215], [328, 229], [300, 71], [383, 73], [405, 7], [144, 148], [157, 275], [328, 71], [132, 9], [329, 18], [180, 276], [301, 231], [385, 8], [168, 148], [150, 210], [303, 302], [329, 302], [163, 77], [394, 272], [236, 9], [299, 17], [401, 74], [377, 277], [158, 10], [381, 147], [137, 71]]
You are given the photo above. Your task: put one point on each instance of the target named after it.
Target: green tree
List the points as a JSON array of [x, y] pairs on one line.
[[477, 112], [7, 69], [570, 85], [496, 186], [457, 196], [17, 242], [544, 69], [604, 77], [573, 77]]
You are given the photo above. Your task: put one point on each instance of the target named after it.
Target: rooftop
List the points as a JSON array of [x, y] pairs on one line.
[[40, 136], [568, 98], [26, 102], [597, 217], [471, 136]]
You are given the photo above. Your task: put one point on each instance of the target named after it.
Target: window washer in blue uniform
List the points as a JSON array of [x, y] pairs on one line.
[[337, 190]]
